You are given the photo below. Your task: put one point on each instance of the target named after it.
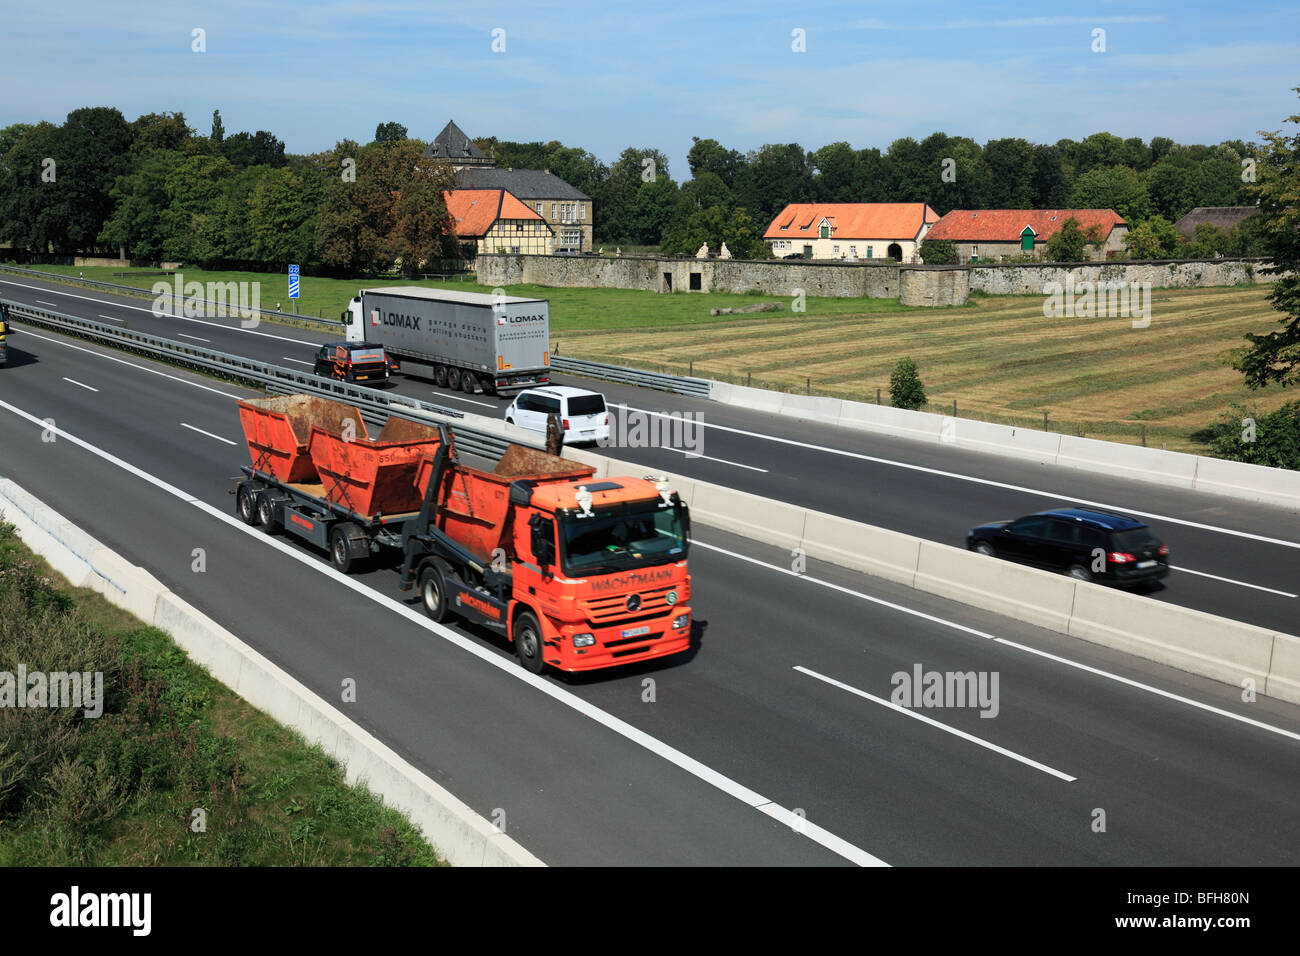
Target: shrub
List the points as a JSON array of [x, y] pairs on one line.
[[1240, 435], [905, 388]]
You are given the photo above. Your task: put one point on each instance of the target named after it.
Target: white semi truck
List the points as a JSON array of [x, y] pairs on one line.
[[470, 341]]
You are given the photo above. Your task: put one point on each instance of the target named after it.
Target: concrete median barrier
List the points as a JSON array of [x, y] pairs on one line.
[[1025, 594], [886, 420], [1241, 480], [762, 519], [851, 544], [1026, 443], [1284, 668], [1168, 634], [1127, 461], [812, 408]]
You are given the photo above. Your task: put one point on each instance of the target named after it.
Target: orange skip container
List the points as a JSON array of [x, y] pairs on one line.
[[278, 429], [373, 476]]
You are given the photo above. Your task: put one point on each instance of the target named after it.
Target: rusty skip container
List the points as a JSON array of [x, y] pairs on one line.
[[279, 429], [473, 504], [373, 476]]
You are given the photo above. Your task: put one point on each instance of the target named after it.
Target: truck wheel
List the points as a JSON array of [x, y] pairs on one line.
[[453, 379], [244, 505], [349, 547], [528, 643], [433, 592], [467, 383], [266, 513], [440, 376]]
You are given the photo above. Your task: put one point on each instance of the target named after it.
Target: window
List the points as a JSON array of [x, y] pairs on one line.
[[539, 208], [552, 210], [582, 210], [835, 249], [519, 227], [1033, 527], [853, 251], [1063, 532]]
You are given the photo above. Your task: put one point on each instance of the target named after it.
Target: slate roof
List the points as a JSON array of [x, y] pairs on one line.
[[453, 144], [1225, 217], [525, 183]]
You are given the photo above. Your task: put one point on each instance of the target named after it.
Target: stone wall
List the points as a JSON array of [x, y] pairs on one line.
[[910, 284]]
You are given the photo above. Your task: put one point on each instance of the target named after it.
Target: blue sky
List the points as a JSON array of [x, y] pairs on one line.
[[607, 75]]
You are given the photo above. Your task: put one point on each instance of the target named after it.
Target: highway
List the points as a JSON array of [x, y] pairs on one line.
[[1230, 557], [773, 742]]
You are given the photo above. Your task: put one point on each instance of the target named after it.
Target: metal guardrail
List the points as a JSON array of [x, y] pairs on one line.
[[375, 406], [632, 376], [137, 290]]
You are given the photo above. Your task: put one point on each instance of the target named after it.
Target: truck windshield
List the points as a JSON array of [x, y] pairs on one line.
[[616, 541]]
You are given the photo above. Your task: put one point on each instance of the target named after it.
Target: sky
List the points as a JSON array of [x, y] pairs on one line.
[[608, 75]]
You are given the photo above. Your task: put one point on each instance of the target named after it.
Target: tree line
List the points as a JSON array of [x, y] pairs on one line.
[[157, 189]]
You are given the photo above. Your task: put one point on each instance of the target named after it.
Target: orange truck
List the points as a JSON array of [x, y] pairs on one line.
[[578, 573]]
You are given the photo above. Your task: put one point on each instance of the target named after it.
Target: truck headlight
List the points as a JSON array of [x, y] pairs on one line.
[[670, 598], [584, 640], [680, 621]]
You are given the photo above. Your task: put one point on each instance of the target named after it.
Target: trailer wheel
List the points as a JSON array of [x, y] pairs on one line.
[[440, 376], [528, 643], [467, 383], [349, 547], [244, 505], [433, 592], [453, 378], [266, 513]]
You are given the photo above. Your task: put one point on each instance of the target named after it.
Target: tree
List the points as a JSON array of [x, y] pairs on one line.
[[938, 252], [1174, 185], [390, 133], [705, 190], [253, 149], [1051, 188], [616, 201], [1011, 164], [1271, 439], [1067, 243], [91, 150], [715, 226], [159, 131], [774, 176], [709, 156], [656, 204], [1112, 187], [905, 388], [833, 176], [1156, 238], [1275, 356], [218, 128], [140, 199]]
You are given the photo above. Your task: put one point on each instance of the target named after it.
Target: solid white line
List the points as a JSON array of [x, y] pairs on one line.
[[110, 318], [691, 454], [285, 358], [458, 398], [82, 384], [1257, 587], [52, 305], [1056, 496], [142, 368], [507, 666], [934, 723], [195, 337], [209, 434], [167, 315], [1005, 642]]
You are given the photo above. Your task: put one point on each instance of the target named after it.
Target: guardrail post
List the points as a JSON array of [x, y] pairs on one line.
[[1044, 420], [749, 377], [692, 368], [954, 408], [1144, 434], [807, 385], [877, 396]]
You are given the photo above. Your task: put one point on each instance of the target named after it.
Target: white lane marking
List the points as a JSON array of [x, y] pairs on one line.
[[168, 315], [285, 358], [690, 765], [43, 302], [195, 337], [987, 481], [458, 398], [934, 723], [1257, 587], [142, 368], [111, 319], [1005, 642], [691, 454], [75, 382], [209, 434]]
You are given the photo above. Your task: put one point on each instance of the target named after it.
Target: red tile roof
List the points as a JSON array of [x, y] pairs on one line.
[[475, 211], [851, 220], [1006, 225]]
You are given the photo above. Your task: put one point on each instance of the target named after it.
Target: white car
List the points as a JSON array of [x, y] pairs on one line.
[[582, 413]]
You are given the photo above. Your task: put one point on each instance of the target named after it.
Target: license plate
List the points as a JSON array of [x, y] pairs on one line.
[[636, 631], [1146, 564], [362, 378]]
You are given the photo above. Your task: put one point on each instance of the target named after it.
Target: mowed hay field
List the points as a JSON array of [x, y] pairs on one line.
[[999, 357]]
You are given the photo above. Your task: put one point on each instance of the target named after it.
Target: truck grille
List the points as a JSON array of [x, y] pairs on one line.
[[607, 611]]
